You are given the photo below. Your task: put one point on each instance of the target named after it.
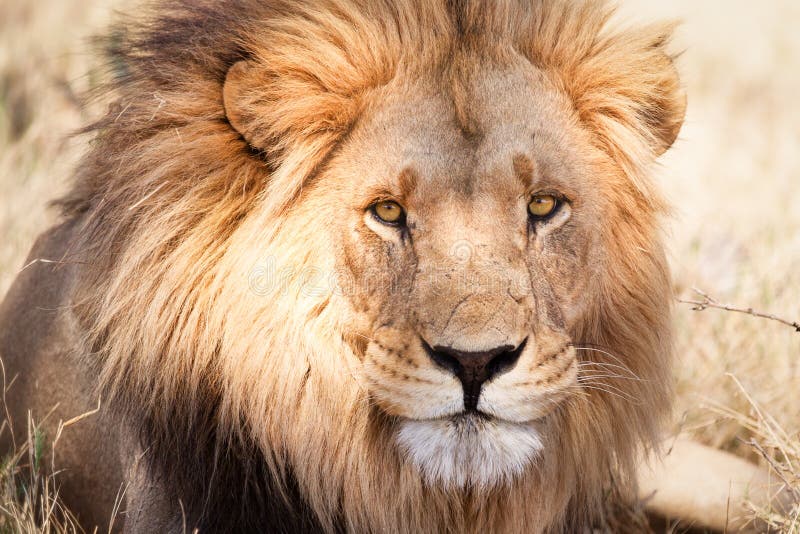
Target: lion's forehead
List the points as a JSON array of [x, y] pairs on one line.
[[458, 133]]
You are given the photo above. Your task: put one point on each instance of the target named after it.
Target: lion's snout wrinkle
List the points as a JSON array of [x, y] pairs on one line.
[[473, 310], [473, 369]]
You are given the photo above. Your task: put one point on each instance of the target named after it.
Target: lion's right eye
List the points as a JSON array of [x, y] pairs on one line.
[[542, 206], [389, 212]]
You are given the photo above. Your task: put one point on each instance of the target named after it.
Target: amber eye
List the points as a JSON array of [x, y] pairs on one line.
[[542, 206], [389, 212]]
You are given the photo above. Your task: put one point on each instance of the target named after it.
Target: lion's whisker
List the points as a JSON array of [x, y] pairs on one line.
[[602, 350], [583, 388], [614, 394], [608, 388], [606, 364], [362, 336], [591, 367], [622, 364], [614, 376]]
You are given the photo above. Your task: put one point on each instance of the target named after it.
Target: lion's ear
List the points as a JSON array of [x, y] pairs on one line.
[[653, 87], [282, 107], [666, 110], [628, 85], [292, 108], [231, 91], [237, 96]]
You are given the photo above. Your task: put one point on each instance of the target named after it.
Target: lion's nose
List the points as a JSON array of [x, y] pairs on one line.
[[473, 369]]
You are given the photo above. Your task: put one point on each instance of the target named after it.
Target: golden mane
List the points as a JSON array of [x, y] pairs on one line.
[[180, 214]]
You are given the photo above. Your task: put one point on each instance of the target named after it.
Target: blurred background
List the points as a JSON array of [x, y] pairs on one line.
[[733, 178]]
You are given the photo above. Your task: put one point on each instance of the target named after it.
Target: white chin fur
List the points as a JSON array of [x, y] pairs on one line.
[[468, 451]]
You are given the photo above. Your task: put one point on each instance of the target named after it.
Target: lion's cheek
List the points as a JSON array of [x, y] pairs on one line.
[[397, 393], [533, 392], [572, 290]]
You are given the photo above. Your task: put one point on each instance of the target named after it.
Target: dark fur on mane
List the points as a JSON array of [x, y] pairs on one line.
[[222, 477], [156, 51]]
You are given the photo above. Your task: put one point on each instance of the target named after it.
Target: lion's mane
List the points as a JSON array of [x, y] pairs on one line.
[[255, 394]]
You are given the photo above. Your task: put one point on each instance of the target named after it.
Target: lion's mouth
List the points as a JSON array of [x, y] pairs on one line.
[[464, 417], [469, 421]]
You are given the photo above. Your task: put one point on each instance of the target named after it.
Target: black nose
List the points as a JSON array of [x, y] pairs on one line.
[[473, 369]]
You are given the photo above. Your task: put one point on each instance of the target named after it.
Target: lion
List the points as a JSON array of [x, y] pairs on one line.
[[350, 265]]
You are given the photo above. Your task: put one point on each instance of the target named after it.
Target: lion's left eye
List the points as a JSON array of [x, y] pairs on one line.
[[542, 206], [389, 212]]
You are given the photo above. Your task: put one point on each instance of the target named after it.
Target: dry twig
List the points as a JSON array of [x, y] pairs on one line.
[[777, 469], [710, 302]]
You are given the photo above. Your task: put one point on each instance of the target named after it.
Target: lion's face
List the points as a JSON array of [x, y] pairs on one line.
[[466, 237]]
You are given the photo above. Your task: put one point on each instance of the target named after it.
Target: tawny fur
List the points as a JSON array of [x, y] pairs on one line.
[[181, 203]]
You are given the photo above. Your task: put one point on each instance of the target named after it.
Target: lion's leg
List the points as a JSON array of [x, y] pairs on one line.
[[706, 487], [150, 506], [38, 342]]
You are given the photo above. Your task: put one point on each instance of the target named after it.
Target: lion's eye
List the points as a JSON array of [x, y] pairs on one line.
[[542, 206], [389, 212]]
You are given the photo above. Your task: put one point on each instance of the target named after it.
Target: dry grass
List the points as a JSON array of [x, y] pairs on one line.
[[29, 501], [733, 176]]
